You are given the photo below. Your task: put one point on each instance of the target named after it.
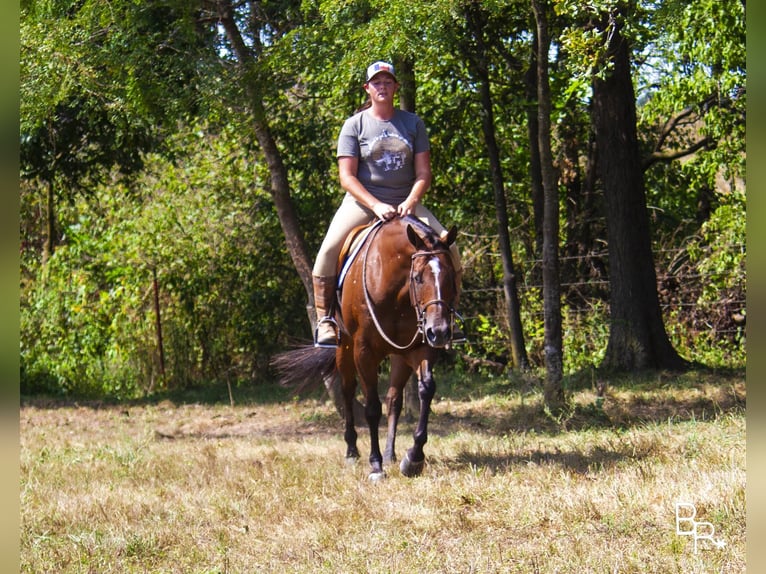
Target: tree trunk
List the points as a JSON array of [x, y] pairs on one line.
[[535, 171], [553, 391], [518, 349], [158, 325], [50, 223], [637, 337], [406, 76], [279, 183]]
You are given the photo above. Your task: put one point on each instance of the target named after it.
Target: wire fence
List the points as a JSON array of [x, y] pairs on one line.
[[685, 296]]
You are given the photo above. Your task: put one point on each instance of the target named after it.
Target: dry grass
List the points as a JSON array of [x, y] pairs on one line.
[[262, 488]]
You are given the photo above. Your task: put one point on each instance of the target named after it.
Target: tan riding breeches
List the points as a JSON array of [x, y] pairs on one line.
[[352, 214]]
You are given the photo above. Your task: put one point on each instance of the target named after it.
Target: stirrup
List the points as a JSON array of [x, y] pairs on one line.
[[458, 330], [324, 344]]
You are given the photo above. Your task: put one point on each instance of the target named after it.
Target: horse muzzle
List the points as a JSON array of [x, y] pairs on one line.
[[436, 323], [438, 337]]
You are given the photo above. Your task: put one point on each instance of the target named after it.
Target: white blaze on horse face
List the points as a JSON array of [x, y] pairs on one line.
[[436, 270]]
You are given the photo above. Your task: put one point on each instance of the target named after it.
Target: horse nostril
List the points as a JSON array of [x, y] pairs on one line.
[[437, 337]]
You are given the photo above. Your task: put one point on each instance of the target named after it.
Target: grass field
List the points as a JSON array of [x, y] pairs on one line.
[[192, 486]]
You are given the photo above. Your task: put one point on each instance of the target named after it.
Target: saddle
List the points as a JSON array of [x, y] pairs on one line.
[[351, 247]]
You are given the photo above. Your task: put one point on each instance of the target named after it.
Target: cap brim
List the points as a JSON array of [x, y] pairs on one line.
[[382, 72]]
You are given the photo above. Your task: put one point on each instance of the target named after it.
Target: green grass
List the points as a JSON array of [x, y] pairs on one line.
[[199, 487]]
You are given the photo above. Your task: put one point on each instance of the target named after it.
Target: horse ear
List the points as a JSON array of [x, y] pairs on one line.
[[415, 239], [451, 236]]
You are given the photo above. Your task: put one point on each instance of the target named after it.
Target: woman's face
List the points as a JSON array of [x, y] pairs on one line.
[[381, 87]]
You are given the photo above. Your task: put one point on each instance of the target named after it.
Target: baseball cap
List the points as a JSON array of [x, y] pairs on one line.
[[378, 67]]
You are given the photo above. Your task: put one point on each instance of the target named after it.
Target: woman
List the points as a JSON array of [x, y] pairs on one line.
[[384, 163]]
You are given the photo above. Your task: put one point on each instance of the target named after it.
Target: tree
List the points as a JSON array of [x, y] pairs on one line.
[[475, 22], [250, 61], [693, 102], [637, 337], [554, 394], [94, 95], [247, 60]]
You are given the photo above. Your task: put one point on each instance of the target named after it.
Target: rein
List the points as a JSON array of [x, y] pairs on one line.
[[419, 311]]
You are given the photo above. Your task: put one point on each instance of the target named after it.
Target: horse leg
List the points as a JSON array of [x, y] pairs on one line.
[[348, 385], [373, 410], [400, 374], [414, 460]]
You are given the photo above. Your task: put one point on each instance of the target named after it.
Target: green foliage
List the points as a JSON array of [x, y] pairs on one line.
[[88, 320], [697, 73], [149, 89], [586, 333], [713, 330], [98, 82], [81, 325], [488, 340], [719, 251]]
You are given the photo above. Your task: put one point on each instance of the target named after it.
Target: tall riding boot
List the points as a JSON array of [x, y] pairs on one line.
[[326, 333]]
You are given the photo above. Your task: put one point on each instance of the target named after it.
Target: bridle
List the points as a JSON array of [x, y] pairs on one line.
[[420, 310]]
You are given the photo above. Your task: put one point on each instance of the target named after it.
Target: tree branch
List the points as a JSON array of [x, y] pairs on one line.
[[686, 117], [670, 126], [657, 156]]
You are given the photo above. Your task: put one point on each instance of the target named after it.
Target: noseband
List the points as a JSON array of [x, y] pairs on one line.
[[420, 310]]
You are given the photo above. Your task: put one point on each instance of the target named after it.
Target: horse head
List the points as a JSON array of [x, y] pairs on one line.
[[433, 287]]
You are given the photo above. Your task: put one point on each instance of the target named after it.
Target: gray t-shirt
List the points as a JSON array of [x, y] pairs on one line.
[[386, 151]]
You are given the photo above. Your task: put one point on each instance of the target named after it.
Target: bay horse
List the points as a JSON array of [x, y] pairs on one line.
[[396, 301]]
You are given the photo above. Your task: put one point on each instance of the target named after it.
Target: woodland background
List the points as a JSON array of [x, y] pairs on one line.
[[178, 174]]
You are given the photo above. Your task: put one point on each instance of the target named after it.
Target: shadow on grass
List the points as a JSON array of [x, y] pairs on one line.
[[572, 461], [617, 402], [213, 394], [498, 406], [624, 403]]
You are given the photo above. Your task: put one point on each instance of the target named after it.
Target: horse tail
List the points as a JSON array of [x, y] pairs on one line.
[[304, 367]]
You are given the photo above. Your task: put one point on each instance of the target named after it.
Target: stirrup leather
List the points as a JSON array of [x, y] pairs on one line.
[[324, 343]]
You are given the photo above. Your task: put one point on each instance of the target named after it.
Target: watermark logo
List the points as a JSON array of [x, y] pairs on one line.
[[686, 525]]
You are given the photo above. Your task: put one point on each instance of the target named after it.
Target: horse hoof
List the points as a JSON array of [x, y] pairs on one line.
[[377, 476], [411, 468]]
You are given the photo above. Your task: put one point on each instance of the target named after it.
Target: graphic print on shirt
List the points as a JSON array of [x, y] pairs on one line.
[[390, 151]]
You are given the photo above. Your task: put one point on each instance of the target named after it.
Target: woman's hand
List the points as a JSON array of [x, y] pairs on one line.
[[406, 207], [384, 211]]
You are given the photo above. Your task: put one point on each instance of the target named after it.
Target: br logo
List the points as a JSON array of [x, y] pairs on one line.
[[686, 525]]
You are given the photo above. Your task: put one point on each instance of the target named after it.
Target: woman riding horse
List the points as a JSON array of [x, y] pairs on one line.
[[384, 163]]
